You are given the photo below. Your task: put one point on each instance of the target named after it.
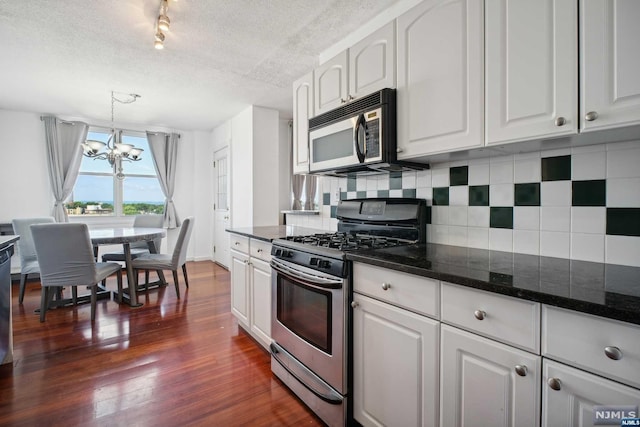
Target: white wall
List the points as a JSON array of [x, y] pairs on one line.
[[242, 169], [266, 167], [285, 158]]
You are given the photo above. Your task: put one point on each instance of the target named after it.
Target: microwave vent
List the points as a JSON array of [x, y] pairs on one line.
[[352, 108]]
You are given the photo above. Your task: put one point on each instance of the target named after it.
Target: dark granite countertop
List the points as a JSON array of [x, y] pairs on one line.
[[270, 233], [606, 290], [8, 239]]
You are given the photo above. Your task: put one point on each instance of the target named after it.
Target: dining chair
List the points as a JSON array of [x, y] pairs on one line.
[[65, 255], [28, 259], [172, 261], [139, 248]]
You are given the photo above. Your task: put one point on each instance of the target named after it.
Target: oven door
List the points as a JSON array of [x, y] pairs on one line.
[[308, 319]]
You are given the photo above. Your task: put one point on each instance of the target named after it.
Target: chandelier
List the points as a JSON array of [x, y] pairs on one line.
[[162, 24], [114, 151]]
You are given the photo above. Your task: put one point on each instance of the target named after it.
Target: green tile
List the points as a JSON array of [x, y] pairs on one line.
[[441, 196], [623, 221], [428, 215], [351, 183], [383, 193], [459, 175], [589, 193], [343, 195], [395, 180], [501, 217], [326, 199], [361, 194], [334, 209], [478, 195], [409, 192], [527, 194], [556, 168]]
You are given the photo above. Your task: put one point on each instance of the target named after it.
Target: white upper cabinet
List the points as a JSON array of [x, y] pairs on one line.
[[330, 84], [302, 111], [531, 65], [440, 77], [366, 67], [372, 62], [609, 63]]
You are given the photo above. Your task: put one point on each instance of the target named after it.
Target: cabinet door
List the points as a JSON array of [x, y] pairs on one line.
[[531, 83], [395, 365], [302, 111], [480, 385], [330, 84], [572, 405], [261, 301], [240, 287], [372, 62], [440, 77], [609, 63]]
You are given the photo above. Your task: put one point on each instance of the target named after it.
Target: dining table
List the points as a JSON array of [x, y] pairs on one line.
[[125, 236]]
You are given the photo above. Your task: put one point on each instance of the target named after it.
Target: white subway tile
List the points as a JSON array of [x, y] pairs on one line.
[[372, 193], [555, 218], [361, 183], [526, 242], [458, 215], [459, 195], [372, 183], [501, 239], [478, 237], [423, 178], [501, 173], [526, 218], [501, 195], [555, 152], [623, 192], [395, 193], [555, 193], [623, 163], [383, 182], [623, 250], [589, 219], [527, 170], [555, 244], [409, 179], [479, 174], [458, 236], [587, 247], [425, 193], [440, 215], [588, 148], [440, 177], [478, 216], [439, 234], [588, 166]]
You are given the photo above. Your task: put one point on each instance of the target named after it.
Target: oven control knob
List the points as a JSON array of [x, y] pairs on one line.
[[278, 252], [287, 254], [324, 263], [313, 261]]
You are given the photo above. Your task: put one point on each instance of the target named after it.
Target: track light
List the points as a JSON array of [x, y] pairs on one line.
[[162, 24], [159, 43]]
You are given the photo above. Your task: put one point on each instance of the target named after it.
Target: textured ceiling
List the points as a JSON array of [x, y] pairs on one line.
[[65, 56]]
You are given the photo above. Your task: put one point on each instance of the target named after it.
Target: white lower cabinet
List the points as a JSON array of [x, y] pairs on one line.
[[251, 287], [395, 365], [569, 395], [486, 383]]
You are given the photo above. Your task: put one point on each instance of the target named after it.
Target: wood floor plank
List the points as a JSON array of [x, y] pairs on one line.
[[171, 362]]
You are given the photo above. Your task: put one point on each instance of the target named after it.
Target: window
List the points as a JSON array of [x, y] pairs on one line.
[[99, 192]]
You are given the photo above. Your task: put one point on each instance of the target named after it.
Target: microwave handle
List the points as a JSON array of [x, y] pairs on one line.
[[360, 123]]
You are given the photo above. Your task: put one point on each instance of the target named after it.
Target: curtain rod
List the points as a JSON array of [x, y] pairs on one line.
[[105, 127], [59, 121]]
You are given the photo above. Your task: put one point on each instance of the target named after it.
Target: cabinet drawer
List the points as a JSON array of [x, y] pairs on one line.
[[509, 320], [260, 249], [580, 340], [239, 243], [415, 293]]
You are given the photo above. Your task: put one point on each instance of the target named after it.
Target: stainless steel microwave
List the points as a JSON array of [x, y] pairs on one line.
[[356, 137]]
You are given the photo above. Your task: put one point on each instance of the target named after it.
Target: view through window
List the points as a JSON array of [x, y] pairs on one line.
[[99, 192]]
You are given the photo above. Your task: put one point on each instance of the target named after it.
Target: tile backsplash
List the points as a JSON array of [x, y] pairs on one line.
[[580, 203]]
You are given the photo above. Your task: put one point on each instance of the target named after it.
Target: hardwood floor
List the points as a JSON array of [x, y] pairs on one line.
[[168, 363]]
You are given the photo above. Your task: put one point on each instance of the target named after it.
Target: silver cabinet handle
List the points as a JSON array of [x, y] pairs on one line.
[[343, 101], [350, 98], [560, 121], [226, 217], [521, 370], [554, 383], [386, 286], [480, 314], [259, 251], [399, 150], [613, 353], [354, 304], [591, 116]]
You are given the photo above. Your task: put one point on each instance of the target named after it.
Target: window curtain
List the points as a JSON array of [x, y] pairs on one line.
[[311, 184], [164, 150], [297, 182], [64, 155]]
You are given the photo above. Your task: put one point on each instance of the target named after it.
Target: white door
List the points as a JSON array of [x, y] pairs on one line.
[[302, 112], [531, 57], [261, 301], [486, 383], [240, 287], [440, 77], [395, 365], [609, 63], [569, 395], [330, 82], [221, 208], [372, 62]]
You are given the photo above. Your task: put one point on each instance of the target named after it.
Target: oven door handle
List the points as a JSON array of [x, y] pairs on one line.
[[310, 279]]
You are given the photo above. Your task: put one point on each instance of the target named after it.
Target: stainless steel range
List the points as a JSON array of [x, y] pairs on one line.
[[311, 291]]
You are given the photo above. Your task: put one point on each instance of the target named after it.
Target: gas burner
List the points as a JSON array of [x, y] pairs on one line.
[[347, 242]]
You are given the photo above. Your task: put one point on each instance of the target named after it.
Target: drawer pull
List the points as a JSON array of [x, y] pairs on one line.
[[521, 370], [236, 243], [354, 304], [613, 353], [259, 250], [480, 314], [554, 383], [386, 286]]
